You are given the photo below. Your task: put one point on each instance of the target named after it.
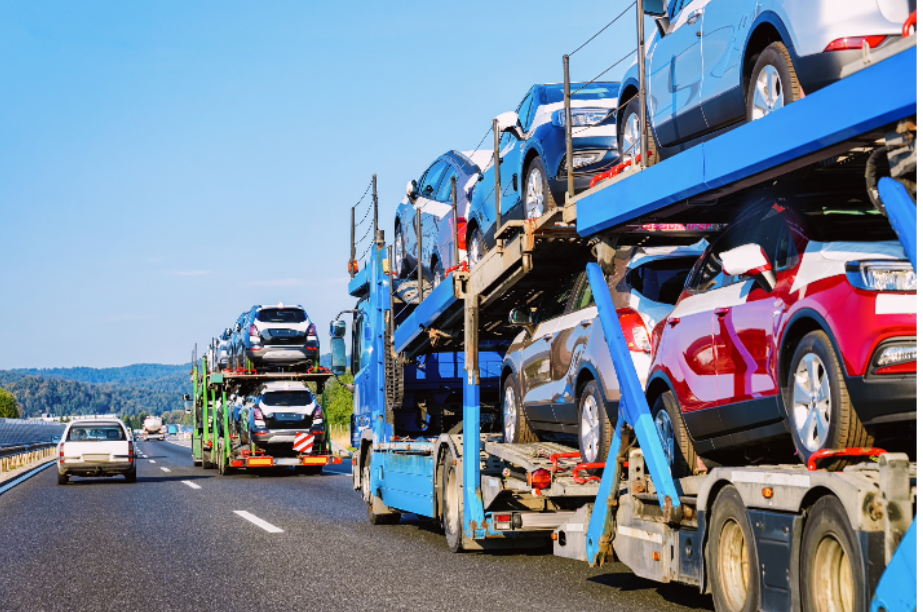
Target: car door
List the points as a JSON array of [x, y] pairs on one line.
[[426, 204], [511, 152], [537, 382], [675, 76], [743, 329], [725, 25], [567, 349], [445, 244]]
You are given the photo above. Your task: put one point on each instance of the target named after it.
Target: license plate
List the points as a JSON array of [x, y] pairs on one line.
[[283, 332], [96, 457], [287, 416]]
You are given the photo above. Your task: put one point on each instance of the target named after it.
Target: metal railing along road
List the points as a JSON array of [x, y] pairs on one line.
[[19, 432]]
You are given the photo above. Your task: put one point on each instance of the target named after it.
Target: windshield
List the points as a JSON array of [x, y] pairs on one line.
[[287, 398], [842, 219], [281, 315], [95, 433], [594, 91]]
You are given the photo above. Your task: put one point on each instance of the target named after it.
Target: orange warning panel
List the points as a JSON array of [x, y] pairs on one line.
[[314, 460], [259, 462]]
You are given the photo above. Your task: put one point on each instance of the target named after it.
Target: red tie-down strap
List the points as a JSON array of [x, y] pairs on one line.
[[828, 453]]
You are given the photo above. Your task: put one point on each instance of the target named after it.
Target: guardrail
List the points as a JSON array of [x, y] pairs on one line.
[[14, 457], [26, 431]]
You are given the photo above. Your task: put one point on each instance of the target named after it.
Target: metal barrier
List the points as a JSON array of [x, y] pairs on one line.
[[15, 457], [27, 431]]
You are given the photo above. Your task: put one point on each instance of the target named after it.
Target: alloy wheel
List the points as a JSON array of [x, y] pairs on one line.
[[509, 414], [589, 428], [664, 426], [811, 405], [768, 94], [475, 250], [631, 134], [399, 247], [535, 195]]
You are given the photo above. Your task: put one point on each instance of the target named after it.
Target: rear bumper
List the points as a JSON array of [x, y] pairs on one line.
[[92, 468], [281, 355]]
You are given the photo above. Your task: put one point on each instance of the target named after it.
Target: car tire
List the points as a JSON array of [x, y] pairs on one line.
[[594, 434], [832, 574], [671, 428], [773, 82], [63, 478], [732, 556], [476, 246], [819, 410], [516, 427], [376, 517], [132, 475], [630, 125], [400, 252], [536, 193]]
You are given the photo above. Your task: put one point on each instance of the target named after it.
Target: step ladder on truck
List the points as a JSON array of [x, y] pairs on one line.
[[218, 442], [758, 537]]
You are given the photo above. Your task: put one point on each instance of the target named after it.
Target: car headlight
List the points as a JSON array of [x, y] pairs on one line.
[[882, 275], [583, 117], [901, 353], [587, 158]]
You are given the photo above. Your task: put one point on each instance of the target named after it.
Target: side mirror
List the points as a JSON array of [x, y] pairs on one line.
[[338, 356], [749, 261], [56, 439], [509, 122], [411, 190], [521, 318], [338, 329]]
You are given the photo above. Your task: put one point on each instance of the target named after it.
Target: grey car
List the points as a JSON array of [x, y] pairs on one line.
[[712, 64], [276, 337], [558, 377]]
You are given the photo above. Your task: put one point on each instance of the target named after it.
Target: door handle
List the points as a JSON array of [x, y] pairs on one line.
[[694, 17], [586, 322], [672, 321], [722, 311]]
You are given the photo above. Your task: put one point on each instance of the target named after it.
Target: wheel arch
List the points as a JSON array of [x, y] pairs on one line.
[[657, 385], [801, 324], [766, 29]]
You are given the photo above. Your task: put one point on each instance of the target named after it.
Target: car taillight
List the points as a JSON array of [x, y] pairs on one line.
[[462, 233], [61, 454], [254, 331], [540, 479], [257, 414], [131, 450], [855, 42], [635, 331], [312, 331]]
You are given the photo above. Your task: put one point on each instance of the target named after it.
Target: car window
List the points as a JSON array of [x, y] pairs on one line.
[[525, 109], [287, 398], [661, 280], [445, 191], [554, 93], [555, 304], [281, 315], [583, 297], [709, 274], [96, 433], [429, 184]]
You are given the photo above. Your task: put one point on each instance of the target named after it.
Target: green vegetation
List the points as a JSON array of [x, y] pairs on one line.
[[339, 401], [9, 408]]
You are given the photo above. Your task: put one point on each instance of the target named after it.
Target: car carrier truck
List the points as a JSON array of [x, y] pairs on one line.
[[757, 537], [218, 443]]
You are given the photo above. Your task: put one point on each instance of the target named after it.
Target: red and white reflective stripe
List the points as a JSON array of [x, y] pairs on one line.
[[304, 443]]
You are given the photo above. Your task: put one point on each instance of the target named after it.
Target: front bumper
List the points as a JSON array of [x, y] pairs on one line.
[[884, 399]]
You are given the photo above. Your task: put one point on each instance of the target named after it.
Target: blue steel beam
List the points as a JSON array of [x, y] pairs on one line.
[[435, 304], [634, 411], [471, 428], [902, 212], [881, 94]]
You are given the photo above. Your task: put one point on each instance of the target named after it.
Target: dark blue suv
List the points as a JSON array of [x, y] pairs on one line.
[[533, 172]]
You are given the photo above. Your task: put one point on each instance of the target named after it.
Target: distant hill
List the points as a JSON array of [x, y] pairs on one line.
[[129, 390]]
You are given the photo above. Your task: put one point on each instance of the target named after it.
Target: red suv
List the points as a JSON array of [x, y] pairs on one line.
[[800, 319]]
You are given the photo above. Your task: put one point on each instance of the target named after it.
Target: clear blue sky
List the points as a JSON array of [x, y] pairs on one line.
[[165, 165]]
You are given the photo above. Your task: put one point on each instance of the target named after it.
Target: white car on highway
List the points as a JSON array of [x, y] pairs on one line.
[[97, 447]]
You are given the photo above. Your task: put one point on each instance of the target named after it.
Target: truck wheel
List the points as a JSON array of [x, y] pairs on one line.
[[732, 562], [820, 412], [668, 421], [63, 478], [831, 576], [312, 470], [595, 427], [516, 427], [132, 476], [379, 513], [453, 508]]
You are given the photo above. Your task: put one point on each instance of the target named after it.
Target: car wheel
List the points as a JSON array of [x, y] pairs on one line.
[[595, 427], [476, 248], [674, 437], [400, 251], [132, 476], [516, 427], [773, 82], [63, 478], [538, 199], [437, 272], [831, 579], [630, 133], [732, 563], [820, 412]]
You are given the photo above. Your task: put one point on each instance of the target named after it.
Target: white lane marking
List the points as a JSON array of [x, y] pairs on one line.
[[165, 469], [26, 476], [144, 456], [152, 461], [190, 484], [258, 521]]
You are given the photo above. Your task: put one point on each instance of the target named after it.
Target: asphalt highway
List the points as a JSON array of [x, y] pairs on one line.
[[183, 538]]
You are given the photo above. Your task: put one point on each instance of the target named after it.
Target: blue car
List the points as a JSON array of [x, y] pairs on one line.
[[432, 196], [533, 172]]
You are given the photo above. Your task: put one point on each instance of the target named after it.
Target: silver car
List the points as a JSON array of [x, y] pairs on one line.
[[714, 63], [278, 337]]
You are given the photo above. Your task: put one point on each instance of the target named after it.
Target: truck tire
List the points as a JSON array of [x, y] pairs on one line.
[[379, 513], [832, 577], [453, 507], [132, 476], [732, 563], [63, 478]]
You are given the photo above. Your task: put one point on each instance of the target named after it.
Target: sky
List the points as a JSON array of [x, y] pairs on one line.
[[166, 165]]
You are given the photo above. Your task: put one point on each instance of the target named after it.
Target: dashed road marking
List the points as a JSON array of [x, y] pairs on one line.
[[152, 461], [165, 469], [258, 521], [190, 484]]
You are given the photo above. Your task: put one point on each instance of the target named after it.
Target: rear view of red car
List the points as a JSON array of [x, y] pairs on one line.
[[800, 321]]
